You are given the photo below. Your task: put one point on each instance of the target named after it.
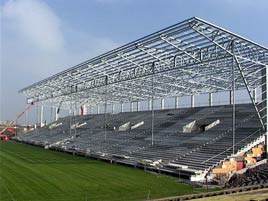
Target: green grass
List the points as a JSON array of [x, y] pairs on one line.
[[29, 173]]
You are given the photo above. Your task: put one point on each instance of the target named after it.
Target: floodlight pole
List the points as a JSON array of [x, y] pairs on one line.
[[233, 96], [153, 104]]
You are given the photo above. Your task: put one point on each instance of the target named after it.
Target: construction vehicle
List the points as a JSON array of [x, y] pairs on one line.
[[8, 128]]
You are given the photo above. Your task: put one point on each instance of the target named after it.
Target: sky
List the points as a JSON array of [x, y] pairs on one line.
[[42, 37]]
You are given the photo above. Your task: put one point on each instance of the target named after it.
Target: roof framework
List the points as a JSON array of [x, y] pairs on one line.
[[188, 58]]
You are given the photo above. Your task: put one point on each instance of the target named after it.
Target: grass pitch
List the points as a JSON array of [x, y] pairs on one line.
[[29, 173]]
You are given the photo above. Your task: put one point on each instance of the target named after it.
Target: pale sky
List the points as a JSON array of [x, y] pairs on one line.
[[42, 37]]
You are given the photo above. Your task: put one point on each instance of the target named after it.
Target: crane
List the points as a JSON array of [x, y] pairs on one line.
[[8, 126]]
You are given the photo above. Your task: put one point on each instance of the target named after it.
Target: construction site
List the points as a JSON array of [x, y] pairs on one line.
[[188, 101]]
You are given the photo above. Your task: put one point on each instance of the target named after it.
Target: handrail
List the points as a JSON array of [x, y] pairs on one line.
[[231, 146]]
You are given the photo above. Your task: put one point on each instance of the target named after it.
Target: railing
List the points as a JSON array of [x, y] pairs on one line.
[[228, 149]]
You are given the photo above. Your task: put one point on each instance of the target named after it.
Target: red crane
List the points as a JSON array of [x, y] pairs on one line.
[[8, 126]]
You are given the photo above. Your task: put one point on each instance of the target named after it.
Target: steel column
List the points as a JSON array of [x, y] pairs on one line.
[[42, 116], [176, 102], [153, 106], [162, 103], [112, 108], [233, 97], [254, 94], [56, 114], [192, 101], [122, 107], [98, 109], [138, 106], [264, 101], [131, 106], [210, 99], [149, 104]]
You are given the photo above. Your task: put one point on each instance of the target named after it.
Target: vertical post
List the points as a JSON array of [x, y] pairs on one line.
[[192, 101], [74, 108], [233, 96], [105, 108], [149, 104], [122, 107], [27, 118], [83, 109], [176, 102], [76, 112], [51, 114], [98, 109], [56, 114], [42, 116], [37, 115], [138, 106], [264, 102], [105, 113], [162, 103], [254, 94], [153, 105], [131, 106], [89, 109], [210, 99], [70, 112], [112, 108]]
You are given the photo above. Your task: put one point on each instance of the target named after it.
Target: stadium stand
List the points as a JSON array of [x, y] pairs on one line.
[[174, 151]]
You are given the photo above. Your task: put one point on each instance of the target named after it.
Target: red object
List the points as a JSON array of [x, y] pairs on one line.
[[82, 110], [11, 130], [240, 165], [7, 128], [4, 137]]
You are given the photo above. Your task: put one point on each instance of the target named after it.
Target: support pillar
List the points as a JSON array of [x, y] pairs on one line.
[[122, 107], [57, 114], [210, 99], [42, 116], [74, 109], [88, 109], [192, 101], [131, 106], [230, 97], [176, 102], [162, 103], [138, 106], [265, 105], [112, 108], [254, 94], [83, 109], [153, 105], [98, 109], [233, 99], [150, 104]]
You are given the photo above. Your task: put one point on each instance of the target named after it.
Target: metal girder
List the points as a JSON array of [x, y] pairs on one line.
[[191, 57]]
